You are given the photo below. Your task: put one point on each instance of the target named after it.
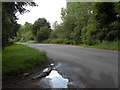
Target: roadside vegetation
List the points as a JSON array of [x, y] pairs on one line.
[[16, 59], [26, 42], [88, 24], [114, 45], [110, 45], [9, 23], [93, 25]]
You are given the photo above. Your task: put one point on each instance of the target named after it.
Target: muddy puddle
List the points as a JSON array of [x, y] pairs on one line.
[[56, 80]]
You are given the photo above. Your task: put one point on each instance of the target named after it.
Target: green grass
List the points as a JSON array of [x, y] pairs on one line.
[[113, 45], [16, 59], [110, 45], [27, 42], [59, 41]]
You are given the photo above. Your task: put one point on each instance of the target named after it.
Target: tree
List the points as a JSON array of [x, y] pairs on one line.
[[55, 24], [9, 24], [63, 14], [24, 33], [89, 23], [105, 16], [38, 24], [75, 18], [43, 33], [38, 29]]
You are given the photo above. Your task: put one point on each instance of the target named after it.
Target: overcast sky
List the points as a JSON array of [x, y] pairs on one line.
[[49, 9]]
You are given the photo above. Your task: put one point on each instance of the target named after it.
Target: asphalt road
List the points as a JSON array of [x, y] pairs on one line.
[[93, 67]]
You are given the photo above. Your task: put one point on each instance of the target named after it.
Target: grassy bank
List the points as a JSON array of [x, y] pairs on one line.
[[27, 42], [110, 45], [16, 59], [114, 45]]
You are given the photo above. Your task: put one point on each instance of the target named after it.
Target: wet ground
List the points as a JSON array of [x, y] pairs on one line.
[[74, 77], [64, 74], [80, 76], [57, 79], [67, 75]]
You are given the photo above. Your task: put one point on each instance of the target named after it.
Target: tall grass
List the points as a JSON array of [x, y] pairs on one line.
[[112, 45], [16, 59], [59, 41]]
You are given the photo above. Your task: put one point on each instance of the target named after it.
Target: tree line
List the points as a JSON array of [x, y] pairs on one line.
[[88, 23], [38, 31], [82, 23], [12, 31]]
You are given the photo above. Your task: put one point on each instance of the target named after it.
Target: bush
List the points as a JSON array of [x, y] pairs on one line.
[[59, 41]]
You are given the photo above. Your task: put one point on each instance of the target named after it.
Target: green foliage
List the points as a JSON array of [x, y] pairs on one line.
[[41, 29], [37, 32], [59, 41], [113, 45], [19, 58], [109, 45], [55, 25], [114, 33], [58, 32], [9, 24], [43, 33], [105, 15], [24, 33], [63, 13], [88, 23], [26, 42], [41, 22]]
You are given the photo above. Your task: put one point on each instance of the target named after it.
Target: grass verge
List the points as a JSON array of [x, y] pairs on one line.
[[16, 59], [109, 45], [113, 45], [27, 42]]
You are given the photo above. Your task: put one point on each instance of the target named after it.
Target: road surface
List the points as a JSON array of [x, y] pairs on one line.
[[93, 67]]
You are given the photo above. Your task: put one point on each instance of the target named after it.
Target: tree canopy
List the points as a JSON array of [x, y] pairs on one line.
[[89, 22], [38, 31], [9, 23]]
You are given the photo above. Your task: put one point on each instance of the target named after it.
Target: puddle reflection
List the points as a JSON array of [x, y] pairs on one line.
[[55, 80]]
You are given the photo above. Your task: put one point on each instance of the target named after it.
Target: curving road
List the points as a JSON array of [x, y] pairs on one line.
[[93, 67]]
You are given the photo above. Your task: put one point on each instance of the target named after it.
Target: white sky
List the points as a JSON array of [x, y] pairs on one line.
[[49, 9]]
